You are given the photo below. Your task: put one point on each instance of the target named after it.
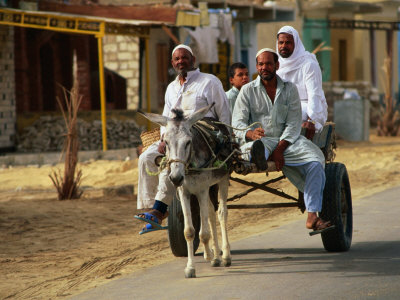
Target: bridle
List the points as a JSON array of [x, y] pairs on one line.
[[189, 166], [186, 163]]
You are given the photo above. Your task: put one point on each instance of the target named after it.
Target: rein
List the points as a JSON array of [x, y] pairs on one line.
[[239, 129], [170, 161]]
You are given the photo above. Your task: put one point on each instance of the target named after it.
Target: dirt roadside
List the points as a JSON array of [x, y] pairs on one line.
[[54, 249]]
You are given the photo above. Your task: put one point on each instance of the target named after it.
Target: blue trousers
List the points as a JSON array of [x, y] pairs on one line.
[[314, 175], [314, 184]]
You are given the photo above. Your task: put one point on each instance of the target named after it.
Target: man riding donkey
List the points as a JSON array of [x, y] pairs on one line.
[[275, 104], [190, 91]]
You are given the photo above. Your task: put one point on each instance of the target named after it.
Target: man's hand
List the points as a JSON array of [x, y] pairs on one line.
[[277, 154], [161, 147], [255, 134], [310, 129]]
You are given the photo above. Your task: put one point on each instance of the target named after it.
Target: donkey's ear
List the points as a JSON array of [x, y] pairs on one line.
[[155, 118], [199, 114]]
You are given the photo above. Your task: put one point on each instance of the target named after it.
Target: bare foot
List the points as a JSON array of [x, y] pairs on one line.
[[312, 216], [316, 223]]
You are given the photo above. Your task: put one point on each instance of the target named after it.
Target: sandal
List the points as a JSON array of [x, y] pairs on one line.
[[320, 226], [154, 224]]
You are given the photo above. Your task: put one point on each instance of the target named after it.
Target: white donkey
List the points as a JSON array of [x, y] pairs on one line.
[[187, 147]]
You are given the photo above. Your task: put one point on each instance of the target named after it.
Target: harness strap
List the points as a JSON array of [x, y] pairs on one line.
[[239, 129], [201, 127], [203, 133], [170, 161]]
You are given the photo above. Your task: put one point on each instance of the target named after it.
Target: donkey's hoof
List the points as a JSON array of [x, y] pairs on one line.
[[227, 262], [215, 262], [190, 273]]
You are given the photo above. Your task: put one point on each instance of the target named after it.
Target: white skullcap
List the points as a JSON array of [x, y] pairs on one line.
[[182, 46], [265, 50]]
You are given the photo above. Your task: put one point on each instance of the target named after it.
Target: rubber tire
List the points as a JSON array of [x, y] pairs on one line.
[[177, 241], [337, 207]]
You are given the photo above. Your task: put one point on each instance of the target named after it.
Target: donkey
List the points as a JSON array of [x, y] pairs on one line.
[[186, 147]]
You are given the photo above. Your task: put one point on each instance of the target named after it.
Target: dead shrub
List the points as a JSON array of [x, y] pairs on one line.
[[68, 185], [389, 122]]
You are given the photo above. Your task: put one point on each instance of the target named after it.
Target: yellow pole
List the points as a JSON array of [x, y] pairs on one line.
[[102, 93], [148, 102]]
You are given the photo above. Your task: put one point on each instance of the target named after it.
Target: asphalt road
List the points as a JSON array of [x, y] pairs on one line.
[[286, 263]]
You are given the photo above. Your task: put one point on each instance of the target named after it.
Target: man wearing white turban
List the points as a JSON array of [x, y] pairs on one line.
[[190, 91], [301, 67]]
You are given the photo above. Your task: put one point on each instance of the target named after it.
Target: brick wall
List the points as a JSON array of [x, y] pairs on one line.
[[7, 88], [121, 55]]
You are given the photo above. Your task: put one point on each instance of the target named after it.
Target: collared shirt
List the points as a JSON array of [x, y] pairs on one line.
[[198, 90], [280, 119], [232, 95]]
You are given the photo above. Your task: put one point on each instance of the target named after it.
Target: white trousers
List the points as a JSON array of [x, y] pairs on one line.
[[152, 187]]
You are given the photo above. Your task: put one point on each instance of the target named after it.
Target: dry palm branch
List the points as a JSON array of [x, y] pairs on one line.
[[389, 123], [68, 185]]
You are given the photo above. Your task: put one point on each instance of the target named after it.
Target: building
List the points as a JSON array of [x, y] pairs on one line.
[[361, 34], [122, 49]]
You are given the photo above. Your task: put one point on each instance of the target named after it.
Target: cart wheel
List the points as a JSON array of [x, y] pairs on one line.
[[337, 207], [176, 225]]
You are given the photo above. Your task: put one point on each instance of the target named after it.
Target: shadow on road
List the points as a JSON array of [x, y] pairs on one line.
[[364, 259]]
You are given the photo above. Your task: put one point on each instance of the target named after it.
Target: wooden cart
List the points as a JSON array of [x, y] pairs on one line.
[[336, 206]]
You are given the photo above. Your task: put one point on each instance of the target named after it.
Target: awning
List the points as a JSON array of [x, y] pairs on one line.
[[72, 23]]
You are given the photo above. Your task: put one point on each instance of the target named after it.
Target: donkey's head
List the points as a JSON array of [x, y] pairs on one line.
[[178, 139]]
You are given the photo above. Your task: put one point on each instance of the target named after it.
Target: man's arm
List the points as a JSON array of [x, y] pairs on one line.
[[256, 134], [241, 119], [292, 128], [277, 154], [166, 111], [310, 127], [217, 95], [241, 115], [293, 118], [317, 108]]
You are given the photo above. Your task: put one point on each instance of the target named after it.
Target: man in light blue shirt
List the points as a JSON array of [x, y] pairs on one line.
[[275, 104]]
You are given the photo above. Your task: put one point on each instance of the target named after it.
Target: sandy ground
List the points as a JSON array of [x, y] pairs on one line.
[[54, 249]]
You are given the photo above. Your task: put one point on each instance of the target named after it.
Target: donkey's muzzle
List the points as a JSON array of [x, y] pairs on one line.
[[176, 180]]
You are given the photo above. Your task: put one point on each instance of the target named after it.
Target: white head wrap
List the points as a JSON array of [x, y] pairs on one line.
[[299, 54], [265, 50], [182, 46]]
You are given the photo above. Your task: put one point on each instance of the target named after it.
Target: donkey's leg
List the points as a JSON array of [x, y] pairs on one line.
[[212, 221], [204, 234], [223, 218], [189, 231]]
